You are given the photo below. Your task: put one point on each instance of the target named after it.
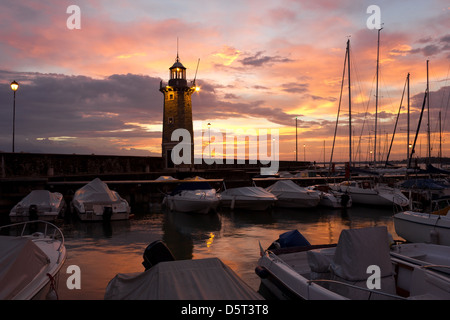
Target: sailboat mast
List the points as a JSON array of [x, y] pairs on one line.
[[407, 135], [428, 111], [376, 100], [349, 107], [440, 141]]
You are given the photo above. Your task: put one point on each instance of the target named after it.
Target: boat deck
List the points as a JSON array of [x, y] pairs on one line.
[[297, 261]]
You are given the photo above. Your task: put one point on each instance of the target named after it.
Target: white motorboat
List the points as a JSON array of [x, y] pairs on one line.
[[165, 278], [423, 227], [361, 266], [365, 192], [31, 256], [198, 197], [332, 199], [291, 195], [248, 198], [39, 205], [96, 202]]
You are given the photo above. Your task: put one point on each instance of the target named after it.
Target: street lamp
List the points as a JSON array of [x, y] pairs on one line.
[[209, 140], [14, 87]]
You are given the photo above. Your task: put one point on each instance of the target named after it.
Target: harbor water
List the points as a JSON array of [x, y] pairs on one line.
[[103, 250]]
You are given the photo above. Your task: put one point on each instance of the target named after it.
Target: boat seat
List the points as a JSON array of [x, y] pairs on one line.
[[319, 261], [358, 249]]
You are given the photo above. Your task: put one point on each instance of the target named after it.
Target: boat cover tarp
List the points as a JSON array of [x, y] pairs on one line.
[[433, 169], [359, 248], [422, 184], [356, 251], [290, 188], [292, 238], [285, 186], [201, 279], [254, 192], [42, 198], [20, 261], [96, 191]]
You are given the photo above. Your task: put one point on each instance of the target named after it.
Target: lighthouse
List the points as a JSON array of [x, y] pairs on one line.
[[177, 110]]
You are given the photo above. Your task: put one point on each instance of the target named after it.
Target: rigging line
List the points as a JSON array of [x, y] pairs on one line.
[[396, 121], [382, 126], [353, 66], [366, 114], [339, 108], [448, 99]]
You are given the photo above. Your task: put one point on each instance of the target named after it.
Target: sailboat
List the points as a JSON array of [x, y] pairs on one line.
[[366, 192]]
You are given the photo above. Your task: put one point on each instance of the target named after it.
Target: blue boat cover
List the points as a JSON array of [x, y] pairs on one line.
[[422, 184], [292, 239]]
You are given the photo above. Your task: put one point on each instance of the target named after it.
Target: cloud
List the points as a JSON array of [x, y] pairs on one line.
[[258, 60], [49, 106], [293, 87]]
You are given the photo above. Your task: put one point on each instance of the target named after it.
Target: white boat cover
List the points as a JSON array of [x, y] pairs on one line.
[[200, 279], [359, 248], [356, 251], [253, 192], [96, 191], [289, 187], [20, 261], [42, 198]]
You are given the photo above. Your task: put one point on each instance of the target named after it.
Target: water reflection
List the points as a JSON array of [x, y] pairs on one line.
[[102, 250]]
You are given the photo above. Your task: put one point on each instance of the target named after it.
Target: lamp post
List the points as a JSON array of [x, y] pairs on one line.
[[209, 140], [14, 87]]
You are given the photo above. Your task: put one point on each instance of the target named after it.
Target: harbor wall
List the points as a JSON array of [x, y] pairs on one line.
[[131, 176]]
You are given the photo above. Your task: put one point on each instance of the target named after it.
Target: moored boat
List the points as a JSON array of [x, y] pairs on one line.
[[197, 197], [249, 198], [166, 278], [423, 227], [332, 199], [31, 256], [361, 266], [39, 205], [96, 202], [366, 193], [291, 195]]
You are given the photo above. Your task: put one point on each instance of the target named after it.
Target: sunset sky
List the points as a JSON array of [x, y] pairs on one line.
[[262, 64]]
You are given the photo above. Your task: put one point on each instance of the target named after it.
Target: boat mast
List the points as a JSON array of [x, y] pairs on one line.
[[440, 141], [349, 106], [376, 101], [428, 111], [407, 145], [339, 110]]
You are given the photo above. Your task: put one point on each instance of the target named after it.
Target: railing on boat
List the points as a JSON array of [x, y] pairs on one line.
[[46, 233], [358, 288]]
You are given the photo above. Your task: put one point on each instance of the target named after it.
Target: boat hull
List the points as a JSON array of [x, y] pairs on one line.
[[247, 204], [423, 227], [202, 206], [48, 244], [285, 202]]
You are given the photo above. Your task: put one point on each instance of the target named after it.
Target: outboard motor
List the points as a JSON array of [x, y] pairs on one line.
[[33, 212], [345, 198], [155, 253], [107, 213]]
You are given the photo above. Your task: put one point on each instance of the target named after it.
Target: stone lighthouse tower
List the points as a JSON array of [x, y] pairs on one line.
[[177, 110]]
